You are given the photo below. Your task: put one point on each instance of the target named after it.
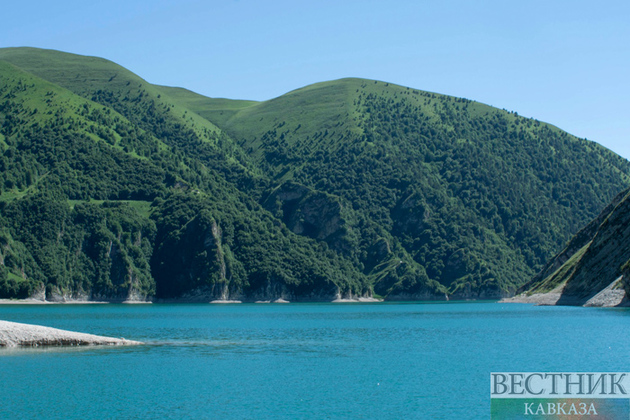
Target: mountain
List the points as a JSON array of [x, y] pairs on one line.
[[594, 268], [113, 188], [476, 196], [108, 187]]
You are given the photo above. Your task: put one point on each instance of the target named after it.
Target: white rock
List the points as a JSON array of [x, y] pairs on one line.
[[14, 334]]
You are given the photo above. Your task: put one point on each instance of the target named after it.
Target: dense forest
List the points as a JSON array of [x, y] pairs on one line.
[[115, 189]]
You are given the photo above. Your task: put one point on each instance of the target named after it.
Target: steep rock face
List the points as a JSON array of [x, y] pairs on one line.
[[272, 291], [89, 252], [575, 244], [606, 257], [15, 268], [411, 214], [312, 213], [596, 261], [190, 262], [323, 217], [396, 276], [129, 276]]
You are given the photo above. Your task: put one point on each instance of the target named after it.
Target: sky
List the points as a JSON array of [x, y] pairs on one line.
[[565, 62]]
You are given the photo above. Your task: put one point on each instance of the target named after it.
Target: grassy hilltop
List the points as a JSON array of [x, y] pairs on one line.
[[116, 188]]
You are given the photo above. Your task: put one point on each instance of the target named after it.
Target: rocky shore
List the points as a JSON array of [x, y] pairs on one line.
[[611, 296], [543, 299], [13, 334]]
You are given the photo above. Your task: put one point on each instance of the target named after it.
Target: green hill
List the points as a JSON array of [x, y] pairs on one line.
[[99, 186], [479, 197], [594, 268], [342, 188]]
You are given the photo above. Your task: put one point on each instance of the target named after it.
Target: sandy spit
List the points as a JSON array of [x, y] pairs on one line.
[[13, 334]]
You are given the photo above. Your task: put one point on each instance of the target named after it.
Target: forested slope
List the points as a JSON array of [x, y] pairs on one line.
[[100, 187], [479, 197], [113, 188]]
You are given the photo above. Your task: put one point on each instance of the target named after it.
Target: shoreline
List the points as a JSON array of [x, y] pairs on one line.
[[15, 334], [68, 302], [30, 301], [607, 298], [538, 299]]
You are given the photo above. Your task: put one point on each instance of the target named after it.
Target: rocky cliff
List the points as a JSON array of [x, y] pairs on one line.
[[594, 268]]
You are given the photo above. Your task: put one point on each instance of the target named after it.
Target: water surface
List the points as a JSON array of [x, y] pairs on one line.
[[293, 361]]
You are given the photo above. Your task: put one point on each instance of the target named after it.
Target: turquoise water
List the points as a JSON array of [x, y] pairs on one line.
[[294, 361]]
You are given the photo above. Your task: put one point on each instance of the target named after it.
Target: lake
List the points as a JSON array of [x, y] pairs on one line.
[[299, 361]]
